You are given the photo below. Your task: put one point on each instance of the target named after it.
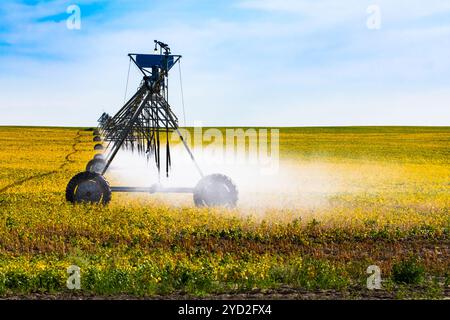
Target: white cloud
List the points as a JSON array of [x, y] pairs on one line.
[[403, 8], [238, 71]]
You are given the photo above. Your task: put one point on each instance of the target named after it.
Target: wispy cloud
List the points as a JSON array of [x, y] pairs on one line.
[[242, 58]]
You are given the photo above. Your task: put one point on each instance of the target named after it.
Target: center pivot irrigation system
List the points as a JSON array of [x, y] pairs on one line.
[[143, 124]]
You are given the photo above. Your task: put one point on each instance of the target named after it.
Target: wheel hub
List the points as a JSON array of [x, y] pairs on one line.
[[88, 191]]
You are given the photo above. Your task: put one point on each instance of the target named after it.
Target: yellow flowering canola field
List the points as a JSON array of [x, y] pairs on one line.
[[356, 197]]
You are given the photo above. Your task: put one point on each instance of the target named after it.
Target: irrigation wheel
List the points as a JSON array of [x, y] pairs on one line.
[[88, 187], [97, 139], [99, 146], [99, 156], [215, 190], [96, 132], [96, 165]]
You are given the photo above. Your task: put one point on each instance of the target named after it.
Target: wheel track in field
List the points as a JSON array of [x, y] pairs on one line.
[[67, 161], [74, 151]]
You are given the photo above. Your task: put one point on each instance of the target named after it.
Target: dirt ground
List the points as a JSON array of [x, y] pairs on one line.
[[278, 294]]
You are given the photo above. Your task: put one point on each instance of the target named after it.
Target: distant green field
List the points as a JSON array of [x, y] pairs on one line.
[[375, 196]]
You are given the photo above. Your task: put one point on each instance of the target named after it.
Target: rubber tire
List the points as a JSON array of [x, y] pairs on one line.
[[95, 162], [97, 139], [99, 146], [82, 177], [99, 156], [96, 132], [215, 190]]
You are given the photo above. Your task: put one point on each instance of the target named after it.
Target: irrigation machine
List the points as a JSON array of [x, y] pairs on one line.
[[143, 124]]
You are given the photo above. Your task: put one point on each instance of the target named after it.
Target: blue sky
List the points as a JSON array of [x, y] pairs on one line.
[[245, 62]]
